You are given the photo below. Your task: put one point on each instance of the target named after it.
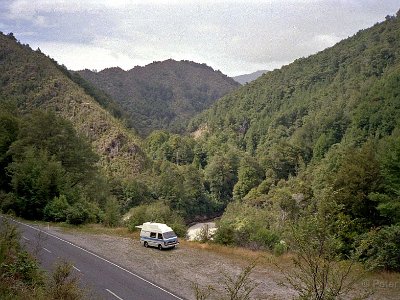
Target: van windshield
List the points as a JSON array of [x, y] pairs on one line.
[[169, 234]]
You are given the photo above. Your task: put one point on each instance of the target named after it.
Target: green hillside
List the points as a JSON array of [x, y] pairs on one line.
[[162, 95], [315, 102], [318, 137], [32, 81]]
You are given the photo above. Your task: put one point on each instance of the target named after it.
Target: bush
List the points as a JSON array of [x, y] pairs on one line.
[[280, 248], [112, 215], [380, 249], [57, 209], [137, 217], [64, 285], [224, 235], [178, 226], [20, 277], [83, 212], [77, 214], [245, 226], [8, 202], [264, 238], [24, 268], [156, 212]]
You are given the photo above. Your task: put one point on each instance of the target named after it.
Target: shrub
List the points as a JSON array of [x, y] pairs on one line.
[[224, 235], [112, 215], [264, 238], [63, 285], [8, 202], [245, 226], [24, 268], [156, 212], [20, 277], [137, 216], [380, 249], [83, 212], [280, 248], [56, 210], [318, 273]]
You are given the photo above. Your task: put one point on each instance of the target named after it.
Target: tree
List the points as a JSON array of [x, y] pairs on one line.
[[57, 209], [46, 131], [49, 159], [36, 178], [250, 175], [319, 273], [356, 178], [388, 200], [196, 202], [112, 216], [9, 126], [283, 158], [220, 174]]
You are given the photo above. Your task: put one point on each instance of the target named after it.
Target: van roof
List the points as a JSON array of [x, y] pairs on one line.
[[156, 227]]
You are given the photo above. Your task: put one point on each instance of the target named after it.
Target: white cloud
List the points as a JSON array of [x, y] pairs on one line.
[[234, 36], [323, 41], [77, 56]]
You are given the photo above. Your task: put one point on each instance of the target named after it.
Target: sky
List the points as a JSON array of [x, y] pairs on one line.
[[235, 37]]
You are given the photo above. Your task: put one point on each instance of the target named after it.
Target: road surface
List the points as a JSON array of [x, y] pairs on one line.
[[104, 278]]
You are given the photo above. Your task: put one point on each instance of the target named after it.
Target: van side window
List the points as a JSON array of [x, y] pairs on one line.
[[160, 236], [152, 234]]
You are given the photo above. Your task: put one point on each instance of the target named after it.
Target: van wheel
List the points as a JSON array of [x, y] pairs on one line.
[[159, 247], [145, 244]]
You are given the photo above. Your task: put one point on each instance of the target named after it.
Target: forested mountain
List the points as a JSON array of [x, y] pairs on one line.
[[343, 93], [162, 95], [31, 80], [245, 78], [320, 136]]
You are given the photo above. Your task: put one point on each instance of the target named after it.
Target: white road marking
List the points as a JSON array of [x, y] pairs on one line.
[[99, 257], [76, 268], [25, 238], [47, 250], [115, 295]]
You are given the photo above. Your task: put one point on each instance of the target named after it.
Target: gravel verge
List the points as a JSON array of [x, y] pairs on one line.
[[177, 269]]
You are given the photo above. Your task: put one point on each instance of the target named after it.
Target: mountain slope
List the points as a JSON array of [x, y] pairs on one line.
[[246, 78], [162, 95], [315, 102], [32, 80]]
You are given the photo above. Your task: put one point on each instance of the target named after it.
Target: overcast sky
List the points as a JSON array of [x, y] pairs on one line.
[[235, 37]]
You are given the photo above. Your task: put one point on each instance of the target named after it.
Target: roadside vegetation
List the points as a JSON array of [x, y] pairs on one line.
[[22, 278]]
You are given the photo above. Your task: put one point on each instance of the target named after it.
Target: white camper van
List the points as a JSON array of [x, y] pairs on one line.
[[157, 235]]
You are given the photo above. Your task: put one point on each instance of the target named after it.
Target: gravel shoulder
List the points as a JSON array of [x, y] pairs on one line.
[[177, 269]]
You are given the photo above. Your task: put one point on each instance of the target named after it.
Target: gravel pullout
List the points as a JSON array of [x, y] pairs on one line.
[[176, 269]]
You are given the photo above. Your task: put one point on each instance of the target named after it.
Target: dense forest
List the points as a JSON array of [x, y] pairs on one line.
[[316, 142], [162, 95]]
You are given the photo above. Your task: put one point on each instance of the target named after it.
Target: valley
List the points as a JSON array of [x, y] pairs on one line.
[[300, 166]]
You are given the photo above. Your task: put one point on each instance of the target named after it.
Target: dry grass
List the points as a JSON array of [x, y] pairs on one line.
[[264, 258], [100, 229]]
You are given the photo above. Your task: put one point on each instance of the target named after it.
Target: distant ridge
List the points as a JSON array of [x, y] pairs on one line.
[[162, 95], [245, 78]]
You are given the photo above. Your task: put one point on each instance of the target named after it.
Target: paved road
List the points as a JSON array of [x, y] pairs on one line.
[[105, 279]]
